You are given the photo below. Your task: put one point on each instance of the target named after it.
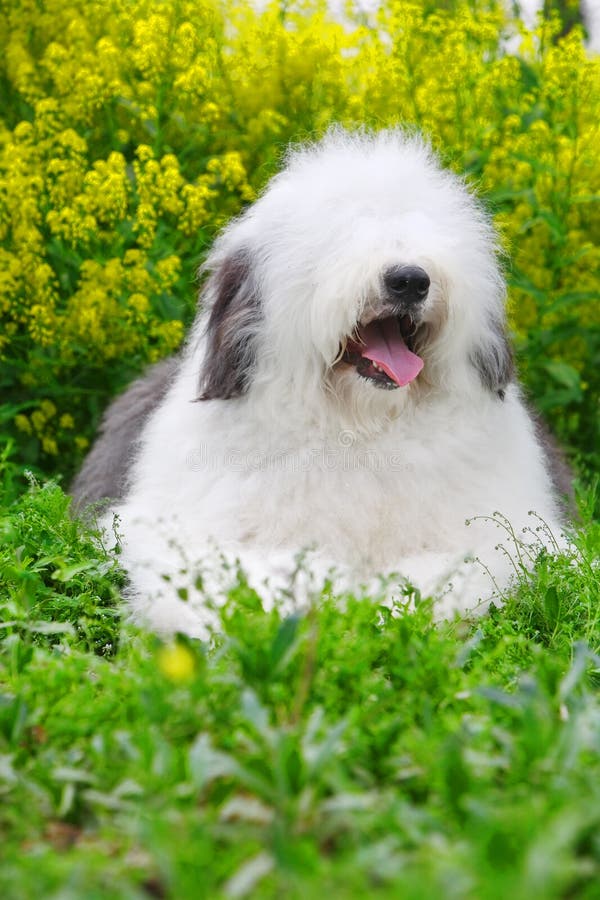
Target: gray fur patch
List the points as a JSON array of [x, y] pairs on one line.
[[105, 469], [559, 470], [232, 327], [494, 360]]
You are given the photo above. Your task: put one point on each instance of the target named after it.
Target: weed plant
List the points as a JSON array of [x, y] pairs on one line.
[[354, 749]]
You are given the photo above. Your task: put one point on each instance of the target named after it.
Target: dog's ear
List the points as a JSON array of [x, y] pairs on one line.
[[231, 329], [493, 358]]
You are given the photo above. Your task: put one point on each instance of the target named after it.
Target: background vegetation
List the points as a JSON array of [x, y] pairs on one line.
[[356, 750], [131, 131]]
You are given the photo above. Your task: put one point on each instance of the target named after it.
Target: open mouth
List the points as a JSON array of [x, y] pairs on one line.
[[381, 352]]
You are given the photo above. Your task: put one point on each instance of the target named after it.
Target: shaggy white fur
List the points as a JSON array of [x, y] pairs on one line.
[[279, 434]]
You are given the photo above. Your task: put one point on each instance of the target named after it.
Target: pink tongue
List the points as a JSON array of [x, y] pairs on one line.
[[383, 344]]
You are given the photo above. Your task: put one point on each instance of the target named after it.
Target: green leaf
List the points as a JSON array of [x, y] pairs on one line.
[[564, 374]]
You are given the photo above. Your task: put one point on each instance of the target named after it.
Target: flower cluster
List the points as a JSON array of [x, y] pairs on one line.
[[132, 130]]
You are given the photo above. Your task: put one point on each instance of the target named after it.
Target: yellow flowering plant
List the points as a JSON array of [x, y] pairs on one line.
[[132, 130]]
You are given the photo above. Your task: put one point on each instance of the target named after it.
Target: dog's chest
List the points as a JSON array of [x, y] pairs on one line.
[[363, 505], [358, 508]]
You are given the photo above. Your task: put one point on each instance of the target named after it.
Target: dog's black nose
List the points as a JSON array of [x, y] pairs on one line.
[[408, 284]]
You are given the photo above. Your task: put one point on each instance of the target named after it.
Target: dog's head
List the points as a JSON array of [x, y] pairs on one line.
[[364, 272]]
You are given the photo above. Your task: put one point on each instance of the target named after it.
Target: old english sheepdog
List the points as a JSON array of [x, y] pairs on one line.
[[347, 392]]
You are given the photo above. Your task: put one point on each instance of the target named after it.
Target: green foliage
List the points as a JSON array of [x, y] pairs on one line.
[[354, 750], [54, 578], [131, 131]]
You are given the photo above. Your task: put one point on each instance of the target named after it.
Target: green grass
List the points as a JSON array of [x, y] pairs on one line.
[[352, 752]]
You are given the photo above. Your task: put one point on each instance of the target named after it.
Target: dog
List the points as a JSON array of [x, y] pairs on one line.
[[346, 405]]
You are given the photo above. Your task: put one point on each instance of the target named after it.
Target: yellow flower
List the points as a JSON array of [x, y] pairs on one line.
[[130, 138], [144, 153], [176, 662], [168, 270], [49, 445], [23, 423], [38, 420]]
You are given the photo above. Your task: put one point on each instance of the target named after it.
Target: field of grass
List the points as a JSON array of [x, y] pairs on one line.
[[352, 751]]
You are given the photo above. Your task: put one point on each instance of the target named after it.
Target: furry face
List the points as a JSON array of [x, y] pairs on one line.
[[392, 285], [354, 395]]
